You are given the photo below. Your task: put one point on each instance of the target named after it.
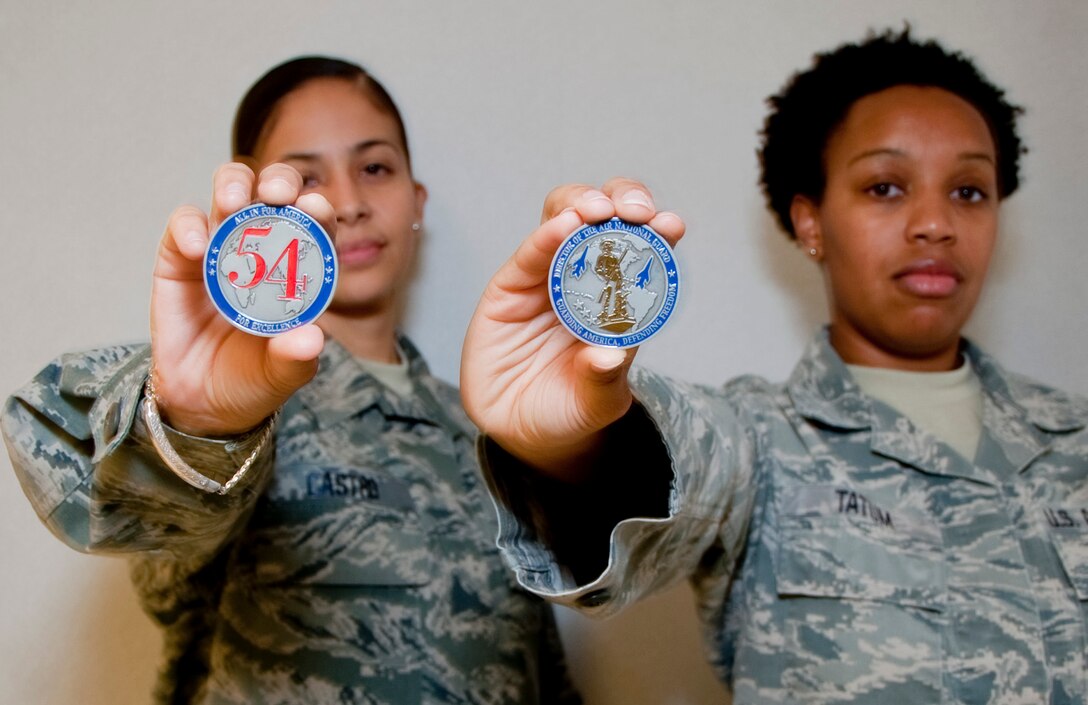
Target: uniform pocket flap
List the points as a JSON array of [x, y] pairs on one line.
[[836, 543], [332, 541], [1069, 530]]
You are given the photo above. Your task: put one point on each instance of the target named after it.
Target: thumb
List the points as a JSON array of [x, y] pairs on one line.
[[603, 372], [292, 358], [606, 365]]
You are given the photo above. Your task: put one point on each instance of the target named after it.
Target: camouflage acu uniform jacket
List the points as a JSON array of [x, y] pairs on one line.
[[841, 555], [357, 566]]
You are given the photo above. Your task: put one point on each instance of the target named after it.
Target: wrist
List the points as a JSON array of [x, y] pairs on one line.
[[177, 415], [260, 439]]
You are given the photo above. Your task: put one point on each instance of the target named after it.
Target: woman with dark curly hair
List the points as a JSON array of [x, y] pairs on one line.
[[903, 520]]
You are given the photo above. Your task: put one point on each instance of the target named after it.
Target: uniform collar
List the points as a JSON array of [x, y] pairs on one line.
[[823, 390], [1048, 409], [1019, 415]]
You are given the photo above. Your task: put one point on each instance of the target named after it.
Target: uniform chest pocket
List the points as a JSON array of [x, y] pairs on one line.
[[1069, 532], [371, 535], [836, 543]]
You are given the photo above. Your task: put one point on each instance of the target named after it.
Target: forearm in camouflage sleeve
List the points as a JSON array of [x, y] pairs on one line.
[[81, 452], [675, 491]]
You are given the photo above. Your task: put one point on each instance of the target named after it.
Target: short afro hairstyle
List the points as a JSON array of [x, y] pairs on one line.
[[815, 102]]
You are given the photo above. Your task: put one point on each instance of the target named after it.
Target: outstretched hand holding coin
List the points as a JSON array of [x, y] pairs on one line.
[[212, 378], [541, 393]]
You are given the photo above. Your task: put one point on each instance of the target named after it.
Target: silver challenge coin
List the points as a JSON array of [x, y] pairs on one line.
[[270, 269], [614, 284]]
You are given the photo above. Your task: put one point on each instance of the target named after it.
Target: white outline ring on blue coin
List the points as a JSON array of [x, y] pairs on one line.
[[270, 269], [614, 284]]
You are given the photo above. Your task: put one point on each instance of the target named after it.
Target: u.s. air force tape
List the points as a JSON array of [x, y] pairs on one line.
[[270, 269], [614, 284]]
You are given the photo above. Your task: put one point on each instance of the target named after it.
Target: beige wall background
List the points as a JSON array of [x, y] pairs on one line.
[[112, 113]]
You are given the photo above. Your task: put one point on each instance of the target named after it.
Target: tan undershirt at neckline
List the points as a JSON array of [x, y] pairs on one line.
[[947, 404], [394, 375]]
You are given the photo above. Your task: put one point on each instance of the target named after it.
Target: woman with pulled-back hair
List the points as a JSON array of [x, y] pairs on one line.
[[902, 520], [351, 557]]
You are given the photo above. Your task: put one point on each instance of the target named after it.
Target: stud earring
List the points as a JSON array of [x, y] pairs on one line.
[[415, 227], [812, 251]]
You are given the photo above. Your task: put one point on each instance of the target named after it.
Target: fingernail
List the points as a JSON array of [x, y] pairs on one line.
[[609, 361], [569, 211], [634, 197], [194, 240], [594, 195]]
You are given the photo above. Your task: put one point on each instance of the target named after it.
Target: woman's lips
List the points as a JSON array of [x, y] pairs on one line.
[[929, 278], [359, 253]]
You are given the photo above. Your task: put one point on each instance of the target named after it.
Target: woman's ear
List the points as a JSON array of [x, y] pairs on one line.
[[421, 200], [805, 216]]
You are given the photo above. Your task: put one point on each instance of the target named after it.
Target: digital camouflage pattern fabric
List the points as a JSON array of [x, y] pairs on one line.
[[357, 565], [841, 555]]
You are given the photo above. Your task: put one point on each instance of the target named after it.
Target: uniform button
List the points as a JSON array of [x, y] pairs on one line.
[[595, 598]]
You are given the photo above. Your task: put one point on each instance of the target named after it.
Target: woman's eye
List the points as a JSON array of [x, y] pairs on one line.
[[971, 194], [310, 181], [884, 189], [375, 169]]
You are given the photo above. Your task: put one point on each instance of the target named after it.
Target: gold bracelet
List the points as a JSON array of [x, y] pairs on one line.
[[176, 463]]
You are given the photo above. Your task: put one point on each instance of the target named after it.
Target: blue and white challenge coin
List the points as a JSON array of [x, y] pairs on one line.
[[270, 269], [614, 284]]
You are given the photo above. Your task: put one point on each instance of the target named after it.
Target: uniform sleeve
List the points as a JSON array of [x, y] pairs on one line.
[[701, 478], [82, 455]]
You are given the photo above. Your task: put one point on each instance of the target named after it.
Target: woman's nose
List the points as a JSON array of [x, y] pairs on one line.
[[931, 219], [347, 200]]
